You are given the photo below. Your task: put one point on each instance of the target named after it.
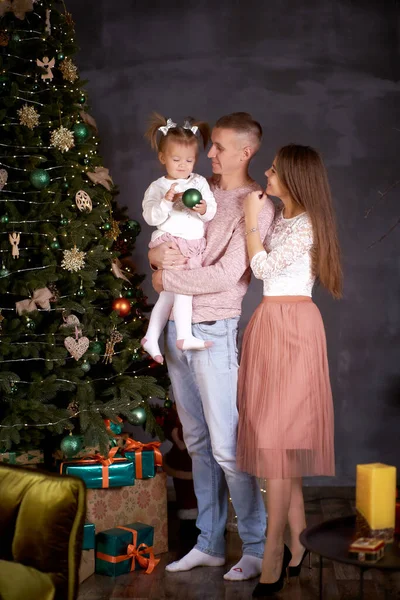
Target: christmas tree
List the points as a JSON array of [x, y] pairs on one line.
[[71, 303]]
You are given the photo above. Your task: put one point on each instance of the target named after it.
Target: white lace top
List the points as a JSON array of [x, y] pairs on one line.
[[285, 264]]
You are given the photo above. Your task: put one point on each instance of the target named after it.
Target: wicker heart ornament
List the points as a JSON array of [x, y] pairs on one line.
[[76, 348]]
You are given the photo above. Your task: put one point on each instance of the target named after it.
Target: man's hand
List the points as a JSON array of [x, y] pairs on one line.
[[253, 204], [166, 256], [157, 281], [201, 207]]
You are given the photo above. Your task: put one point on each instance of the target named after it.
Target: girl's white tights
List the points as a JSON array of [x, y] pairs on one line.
[[183, 321]]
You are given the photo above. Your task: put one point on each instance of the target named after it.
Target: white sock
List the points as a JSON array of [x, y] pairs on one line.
[[195, 558], [248, 567], [192, 343], [183, 322], [152, 348]]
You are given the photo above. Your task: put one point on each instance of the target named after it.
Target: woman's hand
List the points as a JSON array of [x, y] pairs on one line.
[[166, 256], [253, 204]]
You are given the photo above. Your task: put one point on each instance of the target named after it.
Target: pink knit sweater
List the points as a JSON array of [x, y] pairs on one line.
[[219, 286]]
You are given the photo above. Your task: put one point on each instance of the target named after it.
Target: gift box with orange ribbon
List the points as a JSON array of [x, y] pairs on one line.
[[99, 471], [124, 549], [145, 457]]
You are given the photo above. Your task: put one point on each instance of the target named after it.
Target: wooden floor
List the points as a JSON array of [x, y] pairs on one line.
[[340, 581]]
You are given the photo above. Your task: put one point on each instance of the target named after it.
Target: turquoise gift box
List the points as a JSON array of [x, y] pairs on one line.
[[100, 472], [117, 549], [145, 457], [89, 535], [143, 463]]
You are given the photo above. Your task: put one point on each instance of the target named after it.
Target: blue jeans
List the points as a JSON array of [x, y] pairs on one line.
[[204, 383]]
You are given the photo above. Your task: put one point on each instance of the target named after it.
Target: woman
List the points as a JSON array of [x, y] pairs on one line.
[[284, 395]]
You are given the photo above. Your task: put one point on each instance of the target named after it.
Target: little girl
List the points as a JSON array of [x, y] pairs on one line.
[[177, 149]]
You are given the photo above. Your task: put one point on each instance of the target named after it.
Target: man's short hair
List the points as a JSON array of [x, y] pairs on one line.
[[242, 122]]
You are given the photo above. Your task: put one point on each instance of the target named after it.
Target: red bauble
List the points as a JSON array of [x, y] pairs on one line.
[[122, 306]]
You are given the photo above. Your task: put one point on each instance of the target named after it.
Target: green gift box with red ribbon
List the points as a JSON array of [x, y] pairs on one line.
[[99, 471], [124, 549], [145, 457]]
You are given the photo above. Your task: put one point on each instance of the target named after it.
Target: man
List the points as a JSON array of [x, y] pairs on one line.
[[204, 381]]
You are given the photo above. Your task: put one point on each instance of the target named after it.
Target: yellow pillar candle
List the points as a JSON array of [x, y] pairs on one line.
[[376, 495]]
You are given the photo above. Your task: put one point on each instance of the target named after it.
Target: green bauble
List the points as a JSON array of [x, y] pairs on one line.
[[71, 445], [136, 357], [80, 293], [16, 37], [129, 293], [85, 366], [13, 389], [81, 132], [4, 272], [97, 347], [4, 218], [133, 226], [30, 324], [55, 245], [39, 178], [82, 99], [191, 197], [64, 221], [138, 416], [107, 226], [60, 56], [65, 185], [167, 403]]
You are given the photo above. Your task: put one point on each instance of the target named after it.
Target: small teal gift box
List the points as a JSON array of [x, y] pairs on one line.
[[124, 549], [101, 471], [145, 457], [88, 536]]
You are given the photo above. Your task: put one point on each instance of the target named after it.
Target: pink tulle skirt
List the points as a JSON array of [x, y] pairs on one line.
[[285, 404], [191, 249]]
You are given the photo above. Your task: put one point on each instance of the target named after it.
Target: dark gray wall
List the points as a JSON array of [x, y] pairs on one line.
[[319, 72]]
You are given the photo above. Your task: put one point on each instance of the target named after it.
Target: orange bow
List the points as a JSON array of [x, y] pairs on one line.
[[105, 461], [137, 448], [136, 554]]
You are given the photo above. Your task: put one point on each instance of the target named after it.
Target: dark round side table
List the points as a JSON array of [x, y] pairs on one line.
[[331, 539]]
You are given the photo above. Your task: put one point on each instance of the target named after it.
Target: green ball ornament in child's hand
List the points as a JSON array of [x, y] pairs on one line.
[[191, 197]]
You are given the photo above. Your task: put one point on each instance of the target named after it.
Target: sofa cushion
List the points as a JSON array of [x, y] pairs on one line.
[[18, 581], [41, 524]]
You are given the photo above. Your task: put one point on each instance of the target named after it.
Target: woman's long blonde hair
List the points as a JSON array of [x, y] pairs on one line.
[[302, 171]]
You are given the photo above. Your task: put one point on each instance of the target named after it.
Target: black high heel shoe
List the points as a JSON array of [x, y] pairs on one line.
[[269, 589], [295, 571]]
